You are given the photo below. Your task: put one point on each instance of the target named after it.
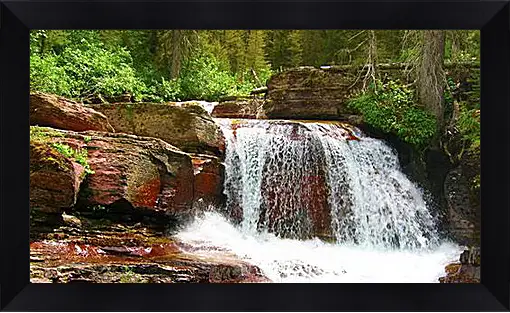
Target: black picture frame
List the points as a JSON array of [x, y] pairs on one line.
[[17, 17]]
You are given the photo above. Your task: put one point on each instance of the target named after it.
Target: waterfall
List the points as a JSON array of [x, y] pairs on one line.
[[320, 202], [306, 179]]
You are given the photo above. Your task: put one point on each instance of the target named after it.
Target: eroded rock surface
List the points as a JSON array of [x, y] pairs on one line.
[[54, 178], [209, 174], [185, 125], [105, 252], [126, 172], [463, 200], [310, 93], [57, 112], [239, 108]]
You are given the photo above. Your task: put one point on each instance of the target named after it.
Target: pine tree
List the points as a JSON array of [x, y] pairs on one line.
[[255, 59], [236, 46]]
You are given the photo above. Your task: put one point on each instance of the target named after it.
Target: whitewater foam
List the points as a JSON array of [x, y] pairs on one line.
[[299, 261]]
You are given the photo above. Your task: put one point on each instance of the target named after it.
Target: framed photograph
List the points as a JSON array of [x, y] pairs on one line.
[[253, 156]]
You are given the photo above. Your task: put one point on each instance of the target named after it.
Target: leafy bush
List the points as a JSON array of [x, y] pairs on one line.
[[202, 78], [47, 76], [81, 63], [391, 107], [94, 69], [469, 126]]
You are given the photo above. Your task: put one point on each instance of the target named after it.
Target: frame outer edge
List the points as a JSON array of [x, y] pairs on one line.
[[14, 268]]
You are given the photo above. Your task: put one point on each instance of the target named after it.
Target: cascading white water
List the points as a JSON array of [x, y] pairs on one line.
[[303, 180], [372, 202]]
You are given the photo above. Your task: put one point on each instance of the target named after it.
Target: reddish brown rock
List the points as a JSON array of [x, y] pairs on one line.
[[112, 253], [311, 93], [208, 184], [57, 112], [185, 125], [54, 178], [467, 270], [144, 173], [239, 108], [295, 204]]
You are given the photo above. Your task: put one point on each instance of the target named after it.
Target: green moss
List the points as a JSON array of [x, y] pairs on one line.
[[43, 133], [129, 111], [44, 156], [54, 154]]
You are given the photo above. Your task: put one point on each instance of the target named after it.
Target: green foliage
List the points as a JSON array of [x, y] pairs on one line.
[[38, 133], [85, 69], [47, 76], [93, 69], [202, 78], [156, 65], [391, 107], [79, 155], [469, 127]]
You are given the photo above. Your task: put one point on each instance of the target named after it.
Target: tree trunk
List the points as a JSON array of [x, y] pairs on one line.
[[431, 77], [175, 67], [370, 75]]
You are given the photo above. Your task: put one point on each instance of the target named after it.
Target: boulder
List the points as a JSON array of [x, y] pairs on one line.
[[310, 93], [54, 178], [185, 125], [467, 270], [238, 108], [208, 183], [129, 174], [57, 112]]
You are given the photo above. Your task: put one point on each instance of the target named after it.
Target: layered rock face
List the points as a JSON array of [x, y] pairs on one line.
[[102, 203], [57, 112], [138, 172], [54, 178], [108, 252], [209, 174], [185, 125], [239, 108], [463, 200], [310, 93]]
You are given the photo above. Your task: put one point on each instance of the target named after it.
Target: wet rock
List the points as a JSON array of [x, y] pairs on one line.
[[53, 111], [463, 212], [208, 183], [295, 204], [185, 125], [100, 253], [70, 220], [129, 175], [466, 271]]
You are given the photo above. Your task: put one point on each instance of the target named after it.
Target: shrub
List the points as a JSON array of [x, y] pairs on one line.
[[94, 69], [391, 108], [469, 126], [202, 78], [47, 76]]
